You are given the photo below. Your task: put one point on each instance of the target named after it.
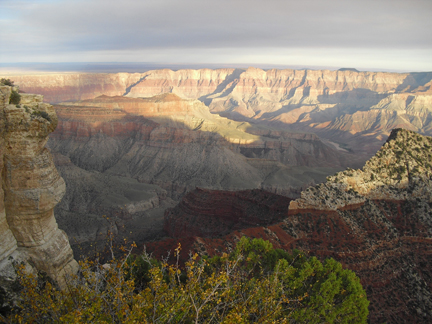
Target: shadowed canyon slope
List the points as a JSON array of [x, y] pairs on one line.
[[163, 147], [375, 221], [354, 109], [197, 212]]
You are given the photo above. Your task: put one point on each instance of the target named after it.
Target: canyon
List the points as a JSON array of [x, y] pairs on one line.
[[352, 110], [163, 133], [203, 157], [376, 221], [30, 189], [130, 158]]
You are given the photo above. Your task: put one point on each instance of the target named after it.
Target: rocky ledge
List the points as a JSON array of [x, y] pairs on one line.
[[401, 170], [375, 221]]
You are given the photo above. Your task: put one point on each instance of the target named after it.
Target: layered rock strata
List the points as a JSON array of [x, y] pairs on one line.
[[179, 117], [128, 159], [32, 188], [76, 86], [178, 144], [375, 221], [350, 108], [96, 203], [8, 244]]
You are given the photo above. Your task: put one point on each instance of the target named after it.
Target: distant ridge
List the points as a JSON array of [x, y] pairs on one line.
[[349, 69], [354, 109]]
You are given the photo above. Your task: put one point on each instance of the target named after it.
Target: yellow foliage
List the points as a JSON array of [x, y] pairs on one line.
[[230, 289]]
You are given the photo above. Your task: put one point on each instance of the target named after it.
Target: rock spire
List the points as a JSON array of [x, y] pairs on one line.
[[30, 189]]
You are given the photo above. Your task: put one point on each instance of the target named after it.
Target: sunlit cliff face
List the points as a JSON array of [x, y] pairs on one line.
[[356, 109]]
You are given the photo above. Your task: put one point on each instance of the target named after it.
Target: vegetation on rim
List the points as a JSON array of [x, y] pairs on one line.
[[253, 284], [15, 97]]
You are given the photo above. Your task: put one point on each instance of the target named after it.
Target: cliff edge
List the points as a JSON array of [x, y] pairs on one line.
[[30, 189]]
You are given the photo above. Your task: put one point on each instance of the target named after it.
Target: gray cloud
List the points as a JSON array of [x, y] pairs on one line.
[[103, 25]]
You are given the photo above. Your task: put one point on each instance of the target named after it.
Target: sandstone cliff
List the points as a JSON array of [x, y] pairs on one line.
[[31, 188], [376, 221]]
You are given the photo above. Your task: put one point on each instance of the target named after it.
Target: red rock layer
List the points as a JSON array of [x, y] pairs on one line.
[[387, 244], [84, 122], [160, 105], [198, 83], [196, 214], [358, 109]]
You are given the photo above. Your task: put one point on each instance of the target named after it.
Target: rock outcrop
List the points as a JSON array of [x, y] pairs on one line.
[[375, 221], [401, 170], [31, 188]]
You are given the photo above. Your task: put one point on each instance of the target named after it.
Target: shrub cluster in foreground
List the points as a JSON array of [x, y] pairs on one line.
[[253, 284]]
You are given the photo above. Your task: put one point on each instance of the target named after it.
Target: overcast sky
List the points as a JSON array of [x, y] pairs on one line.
[[375, 34]]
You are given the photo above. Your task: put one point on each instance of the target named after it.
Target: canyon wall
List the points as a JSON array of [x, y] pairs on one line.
[[58, 87], [129, 155], [130, 158], [358, 109], [178, 144], [376, 221], [188, 84], [354, 109], [31, 188]]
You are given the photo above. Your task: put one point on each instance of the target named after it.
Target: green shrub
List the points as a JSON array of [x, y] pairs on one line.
[[15, 97], [42, 114], [7, 82], [254, 284]]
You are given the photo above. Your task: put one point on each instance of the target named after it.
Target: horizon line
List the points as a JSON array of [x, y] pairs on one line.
[[114, 66]]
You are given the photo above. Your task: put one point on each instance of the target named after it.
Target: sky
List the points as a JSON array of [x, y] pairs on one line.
[[388, 35]]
